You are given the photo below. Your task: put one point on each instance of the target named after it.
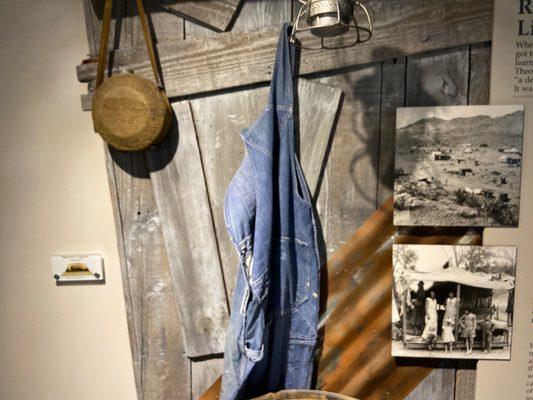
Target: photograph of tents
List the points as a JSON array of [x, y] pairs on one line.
[[461, 165], [453, 301]]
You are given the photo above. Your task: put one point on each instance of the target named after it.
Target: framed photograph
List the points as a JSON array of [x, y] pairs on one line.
[[458, 166], [453, 302]]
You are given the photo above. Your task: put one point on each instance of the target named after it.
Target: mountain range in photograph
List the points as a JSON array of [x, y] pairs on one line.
[[463, 170]]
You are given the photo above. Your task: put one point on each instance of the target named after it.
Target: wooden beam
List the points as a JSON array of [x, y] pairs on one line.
[[392, 97], [353, 159], [479, 86], [161, 368], [439, 386], [318, 107], [214, 14], [177, 176], [231, 60], [204, 373], [132, 314], [218, 121]]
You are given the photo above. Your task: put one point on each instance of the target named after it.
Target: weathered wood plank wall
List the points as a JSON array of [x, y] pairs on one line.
[[356, 180], [178, 179], [232, 60], [216, 14], [162, 369]]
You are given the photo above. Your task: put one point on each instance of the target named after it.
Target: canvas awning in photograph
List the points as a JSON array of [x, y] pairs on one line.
[[463, 277]]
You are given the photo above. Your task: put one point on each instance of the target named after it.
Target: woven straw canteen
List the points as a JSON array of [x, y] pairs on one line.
[[130, 112]]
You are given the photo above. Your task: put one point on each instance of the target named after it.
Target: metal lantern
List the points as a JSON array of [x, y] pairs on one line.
[[331, 18]]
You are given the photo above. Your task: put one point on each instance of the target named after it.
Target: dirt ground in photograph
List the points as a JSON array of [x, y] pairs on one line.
[[434, 184], [398, 350]]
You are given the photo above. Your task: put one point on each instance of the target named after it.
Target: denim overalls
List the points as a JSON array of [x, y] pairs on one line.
[[273, 329]]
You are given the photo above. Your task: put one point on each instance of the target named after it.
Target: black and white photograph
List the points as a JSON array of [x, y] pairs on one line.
[[458, 166], [453, 302]]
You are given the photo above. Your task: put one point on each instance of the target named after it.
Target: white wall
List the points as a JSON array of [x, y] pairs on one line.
[[55, 342]]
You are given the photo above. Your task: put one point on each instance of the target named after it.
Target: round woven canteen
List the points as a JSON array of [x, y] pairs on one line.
[[130, 112]]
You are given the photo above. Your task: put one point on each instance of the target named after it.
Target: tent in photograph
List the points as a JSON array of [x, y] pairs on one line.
[[474, 291]]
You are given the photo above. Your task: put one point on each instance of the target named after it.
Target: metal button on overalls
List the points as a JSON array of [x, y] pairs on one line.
[[273, 329]]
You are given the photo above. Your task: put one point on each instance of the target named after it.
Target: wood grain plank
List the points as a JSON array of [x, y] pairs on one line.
[[465, 380], [161, 368], [438, 78], [318, 108], [479, 79], [164, 26], [166, 370], [254, 15], [177, 177], [132, 190], [90, 28], [439, 385], [392, 96], [118, 34], [215, 14], [131, 317], [219, 119], [257, 14], [348, 193], [204, 373], [235, 59]]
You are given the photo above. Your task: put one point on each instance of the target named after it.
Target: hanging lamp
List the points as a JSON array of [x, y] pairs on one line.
[[329, 19]]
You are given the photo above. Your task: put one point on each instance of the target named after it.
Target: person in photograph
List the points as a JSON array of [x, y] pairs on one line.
[[430, 330], [450, 310], [510, 307], [448, 337], [450, 316], [487, 327], [418, 306], [468, 324]]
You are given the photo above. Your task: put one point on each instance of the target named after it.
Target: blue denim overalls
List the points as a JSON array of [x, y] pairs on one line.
[[273, 329]]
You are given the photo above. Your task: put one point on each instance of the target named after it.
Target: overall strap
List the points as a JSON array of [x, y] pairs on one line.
[[281, 87]]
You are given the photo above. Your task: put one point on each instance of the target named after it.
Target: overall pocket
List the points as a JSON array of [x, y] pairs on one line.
[[254, 321], [252, 309], [290, 274]]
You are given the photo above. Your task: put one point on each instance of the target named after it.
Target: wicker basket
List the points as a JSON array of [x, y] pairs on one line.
[[130, 112]]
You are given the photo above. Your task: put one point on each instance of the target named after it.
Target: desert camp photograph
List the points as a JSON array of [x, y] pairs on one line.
[[453, 302], [458, 166]]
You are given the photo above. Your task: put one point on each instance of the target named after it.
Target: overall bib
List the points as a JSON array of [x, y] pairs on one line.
[[273, 328]]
